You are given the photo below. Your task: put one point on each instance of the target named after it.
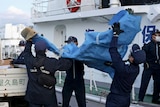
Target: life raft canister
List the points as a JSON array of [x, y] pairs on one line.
[[71, 3]]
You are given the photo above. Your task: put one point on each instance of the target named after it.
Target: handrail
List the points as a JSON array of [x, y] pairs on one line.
[[59, 11], [35, 13]]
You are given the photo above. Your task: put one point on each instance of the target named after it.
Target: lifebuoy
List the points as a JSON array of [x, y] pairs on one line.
[[71, 3]]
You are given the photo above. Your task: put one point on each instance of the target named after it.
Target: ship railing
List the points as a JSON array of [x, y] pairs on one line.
[[9, 48], [60, 11], [93, 91], [41, 9]]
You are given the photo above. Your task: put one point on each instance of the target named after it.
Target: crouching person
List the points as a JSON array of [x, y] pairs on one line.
[[41, 80]]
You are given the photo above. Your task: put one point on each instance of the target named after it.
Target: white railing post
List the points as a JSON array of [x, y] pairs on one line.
[[92, 81], [60, 77], [133, 93]]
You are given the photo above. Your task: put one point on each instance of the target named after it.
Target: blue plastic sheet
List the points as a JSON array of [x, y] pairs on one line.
[[95, 49], [50, 46]]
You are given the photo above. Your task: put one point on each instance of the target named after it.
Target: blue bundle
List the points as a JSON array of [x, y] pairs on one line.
[[94, 52], [50, 46]]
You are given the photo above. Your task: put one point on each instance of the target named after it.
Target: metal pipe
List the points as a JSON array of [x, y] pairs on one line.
[[114, 3]]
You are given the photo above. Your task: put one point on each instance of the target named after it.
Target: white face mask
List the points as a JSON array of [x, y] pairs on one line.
[[21, 48], [158, 38]]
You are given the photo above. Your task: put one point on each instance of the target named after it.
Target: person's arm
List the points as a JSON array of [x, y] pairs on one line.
[[117, 62], [20, 59], [146, 49], [27, 51], [50, 46], [64, 64], [61, 64]]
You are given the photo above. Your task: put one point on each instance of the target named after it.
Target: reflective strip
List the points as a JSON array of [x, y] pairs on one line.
[[157, 52], [97, 38], [74, 72], [33, 70]]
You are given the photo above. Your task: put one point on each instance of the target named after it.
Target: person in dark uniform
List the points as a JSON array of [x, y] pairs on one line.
[[38, 95], [74, 81], [152, 68], [20, 58], [125, 74]]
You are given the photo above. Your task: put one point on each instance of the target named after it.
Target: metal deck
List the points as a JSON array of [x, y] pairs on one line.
[[144, 104], [91, 103]]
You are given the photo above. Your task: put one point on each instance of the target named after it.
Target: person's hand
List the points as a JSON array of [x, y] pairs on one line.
[[116, 29], [146, 66], [130, 11]]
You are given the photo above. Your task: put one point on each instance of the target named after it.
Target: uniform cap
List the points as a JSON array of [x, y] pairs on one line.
[[71, 39], [156, 31], [138, 54]]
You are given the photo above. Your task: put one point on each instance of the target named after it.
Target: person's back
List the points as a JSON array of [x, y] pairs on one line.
[[35, 93], [39, 92], [76, 72], [124, 79]]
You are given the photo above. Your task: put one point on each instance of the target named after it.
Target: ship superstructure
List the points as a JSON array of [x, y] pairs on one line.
[[59, 19]]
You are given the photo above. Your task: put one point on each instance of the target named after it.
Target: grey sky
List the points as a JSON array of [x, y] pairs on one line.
[[15, 12]]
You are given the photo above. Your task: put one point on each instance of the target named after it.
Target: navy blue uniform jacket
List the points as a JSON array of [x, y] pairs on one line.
[[20, 59], [151, 56], [125, 75], [36, 93], [76, 72]]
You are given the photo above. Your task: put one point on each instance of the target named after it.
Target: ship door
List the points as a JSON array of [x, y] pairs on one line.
[[59, 35]]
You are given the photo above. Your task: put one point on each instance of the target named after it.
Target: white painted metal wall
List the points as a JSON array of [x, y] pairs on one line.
[[76, 24]]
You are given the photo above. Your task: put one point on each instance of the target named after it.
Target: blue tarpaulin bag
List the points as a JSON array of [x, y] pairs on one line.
[[95, 49], [50, 46]]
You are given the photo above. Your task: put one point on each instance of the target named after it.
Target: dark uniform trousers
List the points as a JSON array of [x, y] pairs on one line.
[[78, 87], [115, 100]]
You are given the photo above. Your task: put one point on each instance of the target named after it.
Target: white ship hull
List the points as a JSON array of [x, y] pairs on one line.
[[56, 23]]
